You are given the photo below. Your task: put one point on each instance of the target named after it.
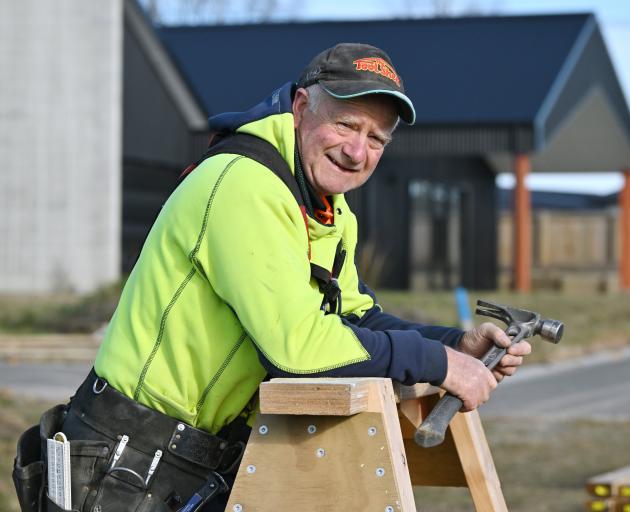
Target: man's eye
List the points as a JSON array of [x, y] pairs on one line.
[[377, 142], [343, 124]]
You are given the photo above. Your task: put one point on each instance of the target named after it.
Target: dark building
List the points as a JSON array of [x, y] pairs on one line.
[[485, 89]]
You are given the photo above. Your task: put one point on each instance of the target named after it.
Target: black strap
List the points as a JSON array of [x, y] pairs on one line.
[[252, 147], [266, 154], [262, 152], [328, 283]]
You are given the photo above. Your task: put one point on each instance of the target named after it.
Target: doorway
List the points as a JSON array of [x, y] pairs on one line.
[[435, 235]]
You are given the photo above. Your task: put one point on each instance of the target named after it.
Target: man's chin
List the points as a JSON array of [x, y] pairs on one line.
[[333, 191], [334, 187]]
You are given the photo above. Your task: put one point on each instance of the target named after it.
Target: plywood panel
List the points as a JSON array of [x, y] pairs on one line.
[[336, 467]]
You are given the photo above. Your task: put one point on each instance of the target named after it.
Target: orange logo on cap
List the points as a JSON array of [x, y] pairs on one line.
[[379, 66]]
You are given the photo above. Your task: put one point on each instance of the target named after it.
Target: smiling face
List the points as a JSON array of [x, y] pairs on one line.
[[342, 142]]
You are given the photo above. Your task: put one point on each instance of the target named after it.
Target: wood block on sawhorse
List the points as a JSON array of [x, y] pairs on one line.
[[337, 444]]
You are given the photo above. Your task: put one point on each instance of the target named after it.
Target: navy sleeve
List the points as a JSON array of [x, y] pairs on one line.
[[377, 320], [404, 351], [402, 355]]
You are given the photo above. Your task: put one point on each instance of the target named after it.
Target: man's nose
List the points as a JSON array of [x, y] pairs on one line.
[[355, 147]]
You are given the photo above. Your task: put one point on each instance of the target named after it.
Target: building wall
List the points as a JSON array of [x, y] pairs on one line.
[[60, 139], [386, 222], [157, 145], [154, 129]]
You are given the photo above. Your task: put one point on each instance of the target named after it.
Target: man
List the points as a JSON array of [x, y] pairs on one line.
[[245, 275]]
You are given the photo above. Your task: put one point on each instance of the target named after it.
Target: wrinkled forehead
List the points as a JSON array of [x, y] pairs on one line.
[[380, 107]]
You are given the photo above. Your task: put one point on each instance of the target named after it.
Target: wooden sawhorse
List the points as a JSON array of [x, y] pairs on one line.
[[342, 444]]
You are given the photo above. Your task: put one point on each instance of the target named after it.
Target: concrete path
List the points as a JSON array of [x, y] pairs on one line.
[[595, 387], [47, 381]]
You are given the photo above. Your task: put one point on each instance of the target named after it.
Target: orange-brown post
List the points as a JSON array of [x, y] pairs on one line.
[[522, 226], [624, 228]]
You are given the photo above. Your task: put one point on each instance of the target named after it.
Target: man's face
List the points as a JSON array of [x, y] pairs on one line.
[[342, 142]]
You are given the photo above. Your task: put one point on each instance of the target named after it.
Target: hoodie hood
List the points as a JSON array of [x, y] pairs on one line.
[[271, 120]]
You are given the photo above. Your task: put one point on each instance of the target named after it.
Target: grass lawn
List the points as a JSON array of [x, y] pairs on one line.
[[542, 464]]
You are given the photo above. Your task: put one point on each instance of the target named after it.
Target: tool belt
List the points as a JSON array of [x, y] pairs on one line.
[[125, 456]]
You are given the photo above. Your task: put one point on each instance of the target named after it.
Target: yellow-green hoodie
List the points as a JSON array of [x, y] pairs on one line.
[[222, 293]]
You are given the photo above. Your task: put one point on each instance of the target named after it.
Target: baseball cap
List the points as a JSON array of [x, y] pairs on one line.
[[349, 70]]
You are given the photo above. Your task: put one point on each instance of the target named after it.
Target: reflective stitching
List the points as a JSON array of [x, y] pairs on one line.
[[187, 279], [367, 357], [220, 371], [158, 342], [204, 224]]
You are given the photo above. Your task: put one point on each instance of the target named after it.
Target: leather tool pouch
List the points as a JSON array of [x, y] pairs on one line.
[[28, 470], [88, 461], [29, 467], [123, 485]]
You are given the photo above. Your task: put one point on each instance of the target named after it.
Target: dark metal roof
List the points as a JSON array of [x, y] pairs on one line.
[[516, 78], [456, 70]]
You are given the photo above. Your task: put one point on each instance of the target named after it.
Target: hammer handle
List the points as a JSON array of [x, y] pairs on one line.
[[493, 356], [433, 429]]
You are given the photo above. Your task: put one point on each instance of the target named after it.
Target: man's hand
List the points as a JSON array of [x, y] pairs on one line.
[[467, 377], [478, 341]]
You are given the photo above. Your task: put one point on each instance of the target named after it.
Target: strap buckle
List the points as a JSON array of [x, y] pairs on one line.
[[331, 291]]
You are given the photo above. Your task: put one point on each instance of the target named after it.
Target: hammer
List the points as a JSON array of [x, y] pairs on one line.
[[521, 324]]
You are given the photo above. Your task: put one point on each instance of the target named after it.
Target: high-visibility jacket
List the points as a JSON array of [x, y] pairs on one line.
[[222, 293]]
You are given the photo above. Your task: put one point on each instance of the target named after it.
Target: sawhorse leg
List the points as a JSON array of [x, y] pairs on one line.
[[462, 460]]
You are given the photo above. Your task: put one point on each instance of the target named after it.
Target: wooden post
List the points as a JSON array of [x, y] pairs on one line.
[[341, 444], [624, 233], [522, 226]]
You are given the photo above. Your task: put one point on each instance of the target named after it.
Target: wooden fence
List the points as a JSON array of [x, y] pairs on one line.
[[569, 249]]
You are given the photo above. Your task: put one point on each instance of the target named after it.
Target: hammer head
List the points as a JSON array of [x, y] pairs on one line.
[[550, 330], [532, 323]]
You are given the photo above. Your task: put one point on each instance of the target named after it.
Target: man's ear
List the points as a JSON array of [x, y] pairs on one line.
[[300, 102]]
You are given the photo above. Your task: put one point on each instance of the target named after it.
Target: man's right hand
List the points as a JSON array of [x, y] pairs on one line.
[[468, 379]]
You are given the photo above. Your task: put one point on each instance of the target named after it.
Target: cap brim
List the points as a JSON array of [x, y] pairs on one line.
[[345, 90]]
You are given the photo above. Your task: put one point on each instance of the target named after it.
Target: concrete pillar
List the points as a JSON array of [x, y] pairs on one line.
[[522, 226], [624, 233], [60, 145]]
